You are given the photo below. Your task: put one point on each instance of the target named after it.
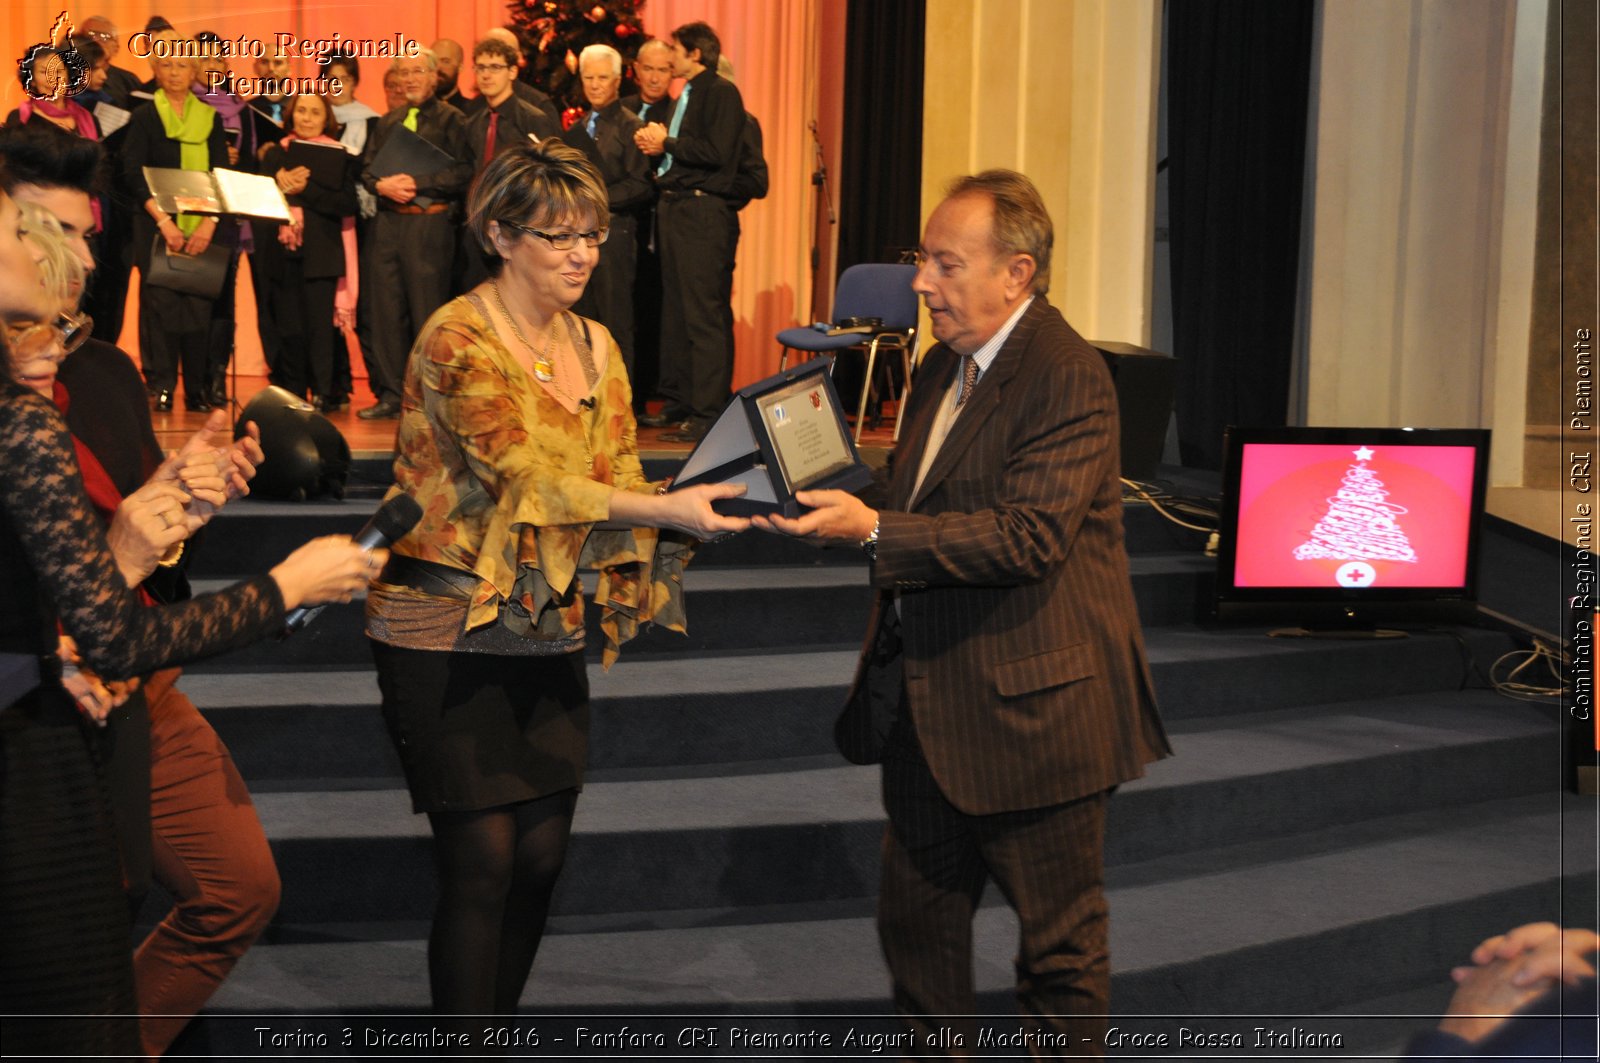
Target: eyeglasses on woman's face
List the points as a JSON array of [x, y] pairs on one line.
[[563, 241], [60, 337]]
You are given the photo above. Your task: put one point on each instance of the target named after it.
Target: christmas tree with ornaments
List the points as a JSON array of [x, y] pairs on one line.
[[555, 32]]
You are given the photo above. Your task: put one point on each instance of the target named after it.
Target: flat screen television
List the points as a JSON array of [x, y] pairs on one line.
[[1346, 528]]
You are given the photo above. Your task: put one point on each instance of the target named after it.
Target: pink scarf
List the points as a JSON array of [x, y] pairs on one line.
[[67, 109], [290, 236]]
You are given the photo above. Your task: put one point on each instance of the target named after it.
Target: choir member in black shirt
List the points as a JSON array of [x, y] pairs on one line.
[[652, 71], [524, 91], [697, 226], [407, 265], [605, 136], [501, 120], [120, 84], [448, 55], [316, 275]]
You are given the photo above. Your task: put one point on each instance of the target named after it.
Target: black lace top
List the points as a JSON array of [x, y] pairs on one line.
[[54, 563]]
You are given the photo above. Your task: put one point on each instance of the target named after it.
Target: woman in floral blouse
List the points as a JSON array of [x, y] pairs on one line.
[[517, 437]]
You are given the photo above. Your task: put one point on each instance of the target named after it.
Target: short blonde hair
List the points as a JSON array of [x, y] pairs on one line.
[[534, 185], [60, 270]]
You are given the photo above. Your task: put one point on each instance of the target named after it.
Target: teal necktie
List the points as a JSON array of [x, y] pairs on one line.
[[677, 121]]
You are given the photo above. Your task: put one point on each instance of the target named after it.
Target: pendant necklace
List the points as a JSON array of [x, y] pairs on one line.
[[543, 369]]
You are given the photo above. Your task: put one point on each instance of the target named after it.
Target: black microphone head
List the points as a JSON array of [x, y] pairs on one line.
[[395, 518]]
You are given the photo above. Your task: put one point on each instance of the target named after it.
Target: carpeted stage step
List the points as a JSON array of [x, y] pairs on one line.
[[678, 708], [808, 829], [286, 727], [1344, 913], [773, 607]]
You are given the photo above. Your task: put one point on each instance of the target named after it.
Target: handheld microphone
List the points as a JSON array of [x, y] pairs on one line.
[[393, 520]]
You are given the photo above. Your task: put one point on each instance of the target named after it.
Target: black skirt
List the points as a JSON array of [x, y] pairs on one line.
[[477, 730]]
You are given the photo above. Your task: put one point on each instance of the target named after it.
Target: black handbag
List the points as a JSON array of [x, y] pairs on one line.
[[201, 274]]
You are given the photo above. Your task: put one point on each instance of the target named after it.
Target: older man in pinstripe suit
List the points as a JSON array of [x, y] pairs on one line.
[[1003, 683]]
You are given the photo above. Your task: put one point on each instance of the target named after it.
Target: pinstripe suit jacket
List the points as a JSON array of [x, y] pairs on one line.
[[1023, 662]]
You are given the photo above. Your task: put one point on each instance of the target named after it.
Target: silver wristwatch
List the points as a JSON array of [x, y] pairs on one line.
[[869, 545]]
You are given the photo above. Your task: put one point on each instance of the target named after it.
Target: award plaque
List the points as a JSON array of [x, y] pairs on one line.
[[778, 436]]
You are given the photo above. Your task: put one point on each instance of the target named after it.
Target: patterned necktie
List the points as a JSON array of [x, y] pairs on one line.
[[677, 121], [488, 141], [411, 120], [969, 378]]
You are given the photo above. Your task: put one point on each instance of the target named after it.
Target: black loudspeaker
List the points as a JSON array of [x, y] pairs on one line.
[[306, 457], [1146, 383]]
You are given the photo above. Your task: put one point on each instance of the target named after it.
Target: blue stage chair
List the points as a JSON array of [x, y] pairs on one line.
[[868, 290]]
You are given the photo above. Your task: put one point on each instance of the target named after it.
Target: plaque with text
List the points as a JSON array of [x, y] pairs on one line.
[[778, 436]]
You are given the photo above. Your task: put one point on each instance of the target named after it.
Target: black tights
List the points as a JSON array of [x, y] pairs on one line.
[[497, 869]]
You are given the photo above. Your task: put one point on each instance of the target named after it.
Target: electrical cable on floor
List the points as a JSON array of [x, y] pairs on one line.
[[1165, 503], [1525, 689]]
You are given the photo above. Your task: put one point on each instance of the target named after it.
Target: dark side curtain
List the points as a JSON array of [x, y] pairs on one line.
[[880, 172], [1238, 74]]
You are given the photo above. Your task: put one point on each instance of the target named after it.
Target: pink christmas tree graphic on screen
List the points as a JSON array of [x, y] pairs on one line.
[[1396, 516], [1361, 525]]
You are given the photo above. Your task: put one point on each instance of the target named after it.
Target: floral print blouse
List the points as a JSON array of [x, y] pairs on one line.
[[515, 489]]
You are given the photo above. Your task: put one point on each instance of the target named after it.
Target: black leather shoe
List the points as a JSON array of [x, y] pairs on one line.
[[671, 416], [690, 431], [382, 411], [197, 406], [332, 405], [164, 400]]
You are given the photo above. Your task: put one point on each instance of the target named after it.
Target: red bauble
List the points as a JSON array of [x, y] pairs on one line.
[[624, 30], [571, 117]]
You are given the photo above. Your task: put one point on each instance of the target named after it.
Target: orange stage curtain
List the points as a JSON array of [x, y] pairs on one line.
[[780, 56]]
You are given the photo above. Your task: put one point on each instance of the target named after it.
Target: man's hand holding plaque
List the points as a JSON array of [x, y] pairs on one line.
[[779, 437]]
